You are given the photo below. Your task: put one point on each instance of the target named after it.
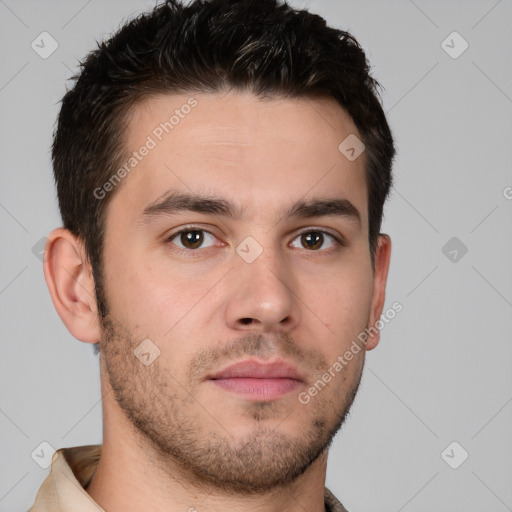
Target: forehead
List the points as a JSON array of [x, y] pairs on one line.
[[263, 154]]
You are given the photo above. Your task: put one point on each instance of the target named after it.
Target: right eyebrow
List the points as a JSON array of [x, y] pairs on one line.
[[175, 202]]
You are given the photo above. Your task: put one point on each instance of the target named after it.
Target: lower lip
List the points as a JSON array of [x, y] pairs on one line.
[[258, 389]]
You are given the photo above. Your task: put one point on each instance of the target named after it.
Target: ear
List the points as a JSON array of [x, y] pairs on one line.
[[69, 278], [380, 276]]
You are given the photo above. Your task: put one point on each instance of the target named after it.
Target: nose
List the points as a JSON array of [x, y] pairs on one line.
[[262, 297]]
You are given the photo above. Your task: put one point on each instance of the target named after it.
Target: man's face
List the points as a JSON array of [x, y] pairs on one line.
[[258, 285]]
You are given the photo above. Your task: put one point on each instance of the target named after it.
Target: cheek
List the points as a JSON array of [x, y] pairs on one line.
[[343, 303], [161, 303], [136, 296]]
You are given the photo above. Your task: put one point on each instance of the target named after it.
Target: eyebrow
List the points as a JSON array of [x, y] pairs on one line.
[[177, 202]]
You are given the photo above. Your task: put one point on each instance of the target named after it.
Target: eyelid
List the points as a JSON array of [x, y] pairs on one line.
[[339, 239], [337, 236], [185, 229]]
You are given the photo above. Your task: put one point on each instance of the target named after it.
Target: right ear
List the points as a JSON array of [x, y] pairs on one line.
[[68, 274]]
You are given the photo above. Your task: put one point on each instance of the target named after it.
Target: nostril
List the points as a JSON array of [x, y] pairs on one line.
[[246, 321]]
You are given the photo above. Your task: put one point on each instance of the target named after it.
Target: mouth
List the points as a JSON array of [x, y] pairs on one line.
[[258, 381]]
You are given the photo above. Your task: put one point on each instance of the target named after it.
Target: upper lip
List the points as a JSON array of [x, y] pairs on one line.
[[251, 368]]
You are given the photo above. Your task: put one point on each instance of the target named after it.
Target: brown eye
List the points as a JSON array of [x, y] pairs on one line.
[[190, 238], [312, 240], [315, 239]]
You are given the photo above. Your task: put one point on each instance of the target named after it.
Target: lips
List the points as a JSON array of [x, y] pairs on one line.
[[252, 369], [258, 381]]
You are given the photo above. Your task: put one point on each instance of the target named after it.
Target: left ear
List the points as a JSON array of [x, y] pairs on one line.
[[380, 276]]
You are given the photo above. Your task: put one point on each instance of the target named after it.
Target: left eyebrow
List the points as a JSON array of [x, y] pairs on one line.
[[338, 207], [177, 202]]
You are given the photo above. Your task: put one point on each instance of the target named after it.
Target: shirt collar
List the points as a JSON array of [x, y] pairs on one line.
[[71, 472]]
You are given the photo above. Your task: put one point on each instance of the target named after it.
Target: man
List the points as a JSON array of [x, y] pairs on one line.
[[221, 171]]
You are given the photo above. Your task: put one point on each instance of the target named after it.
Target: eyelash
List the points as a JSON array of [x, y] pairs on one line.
[[194, 252]]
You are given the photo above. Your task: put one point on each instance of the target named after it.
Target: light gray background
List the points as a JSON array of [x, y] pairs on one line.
[[442, 371]]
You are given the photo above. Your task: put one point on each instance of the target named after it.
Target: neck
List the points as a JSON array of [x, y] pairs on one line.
[[131, 476], [128, 480]]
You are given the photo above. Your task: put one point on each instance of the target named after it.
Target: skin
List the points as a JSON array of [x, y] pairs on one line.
[[185, 442]]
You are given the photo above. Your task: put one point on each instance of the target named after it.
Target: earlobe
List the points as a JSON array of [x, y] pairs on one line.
[[71, 284], [380, 275]]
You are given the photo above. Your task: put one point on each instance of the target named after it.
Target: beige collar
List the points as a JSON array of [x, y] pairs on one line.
[[71, 472]]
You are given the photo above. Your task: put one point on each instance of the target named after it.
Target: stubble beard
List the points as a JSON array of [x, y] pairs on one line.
[[206, 454]]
